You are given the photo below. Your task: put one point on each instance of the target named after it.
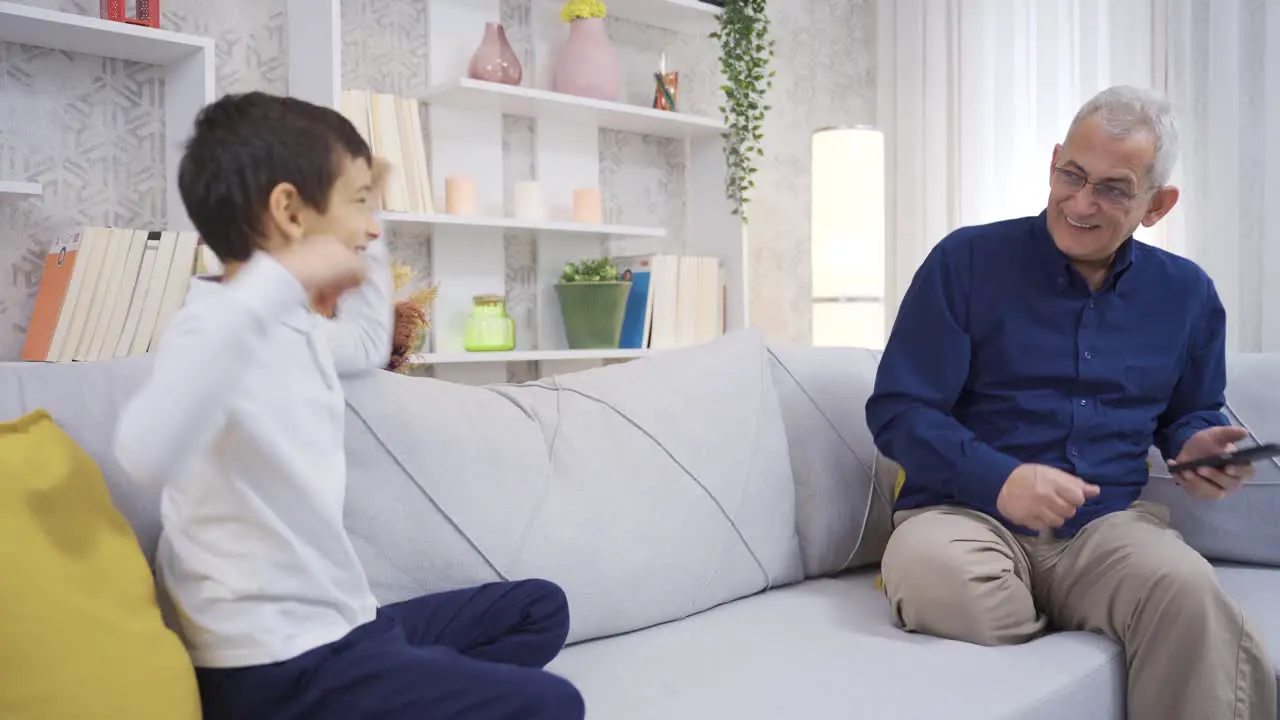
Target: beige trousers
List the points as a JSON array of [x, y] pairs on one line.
[[1191, 654]]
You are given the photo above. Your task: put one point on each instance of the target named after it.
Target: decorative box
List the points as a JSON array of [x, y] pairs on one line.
[[147, 12]]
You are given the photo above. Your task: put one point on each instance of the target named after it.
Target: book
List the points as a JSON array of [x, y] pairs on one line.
[[120, 299], [103, 291], [138, 299], [154, 296], [393, 128], [181, 270], [638, 319], [687, 296], [58, 287], [110, 292], [93, 248]]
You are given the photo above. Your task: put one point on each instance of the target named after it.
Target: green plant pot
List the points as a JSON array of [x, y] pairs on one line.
[[593, 313]]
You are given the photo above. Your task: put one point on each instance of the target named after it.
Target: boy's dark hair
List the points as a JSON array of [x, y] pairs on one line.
[[245, 145]]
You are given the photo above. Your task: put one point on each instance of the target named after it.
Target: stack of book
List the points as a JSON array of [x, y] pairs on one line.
[[110, 292], [676, 301], [393, 128]]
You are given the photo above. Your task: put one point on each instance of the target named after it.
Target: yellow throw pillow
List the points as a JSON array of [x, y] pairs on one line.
[[80, 630], [897, 490]]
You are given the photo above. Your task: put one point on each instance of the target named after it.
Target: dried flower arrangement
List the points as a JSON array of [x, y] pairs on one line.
[[413, 315]]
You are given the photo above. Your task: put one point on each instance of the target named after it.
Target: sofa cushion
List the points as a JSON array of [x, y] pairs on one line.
[[826, 650], [1241, 527], [844, 486], [1256, 590], [81, 634], [649, 491]]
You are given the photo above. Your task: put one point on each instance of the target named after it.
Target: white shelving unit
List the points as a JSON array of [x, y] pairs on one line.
[[544, 105], [464, 127], [526, 356], [187, 59], [11, 190], [583, 230], [688, 16]]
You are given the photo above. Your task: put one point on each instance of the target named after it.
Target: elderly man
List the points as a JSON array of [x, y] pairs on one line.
[[1033, 363]]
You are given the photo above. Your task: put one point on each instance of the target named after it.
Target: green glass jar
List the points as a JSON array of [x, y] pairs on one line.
[[489, 329]]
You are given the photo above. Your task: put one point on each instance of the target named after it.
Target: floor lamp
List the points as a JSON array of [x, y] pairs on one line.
[[848, 237]]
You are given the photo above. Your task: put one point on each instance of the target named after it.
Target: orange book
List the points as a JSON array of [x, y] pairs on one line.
[[51, 296]]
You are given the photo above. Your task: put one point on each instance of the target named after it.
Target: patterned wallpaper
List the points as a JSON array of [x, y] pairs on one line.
[[91, 130], [826, 76]]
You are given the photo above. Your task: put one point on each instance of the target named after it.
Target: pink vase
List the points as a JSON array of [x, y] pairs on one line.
[[588, 64], [494, 61]]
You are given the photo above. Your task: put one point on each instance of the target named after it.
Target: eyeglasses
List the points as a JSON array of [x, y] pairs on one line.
[[1104, 192]]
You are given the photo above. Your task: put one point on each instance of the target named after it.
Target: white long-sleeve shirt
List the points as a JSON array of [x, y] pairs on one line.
[[241, 424]]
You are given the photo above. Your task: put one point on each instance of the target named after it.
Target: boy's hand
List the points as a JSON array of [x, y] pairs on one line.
[[323, 266]]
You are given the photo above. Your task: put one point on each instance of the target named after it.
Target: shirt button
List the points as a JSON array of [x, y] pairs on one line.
[[1090, 303], [1075, 451], [1088, 355], [1083, 403]]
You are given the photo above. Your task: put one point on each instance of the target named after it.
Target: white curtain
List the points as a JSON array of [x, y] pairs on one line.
[[974, 94], [1219, 62]]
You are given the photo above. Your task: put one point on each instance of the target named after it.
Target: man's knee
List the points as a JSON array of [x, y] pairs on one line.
[[1181, 585], [548, 609], [949, 574], [544, 598], [1167, 575], [551, 697]]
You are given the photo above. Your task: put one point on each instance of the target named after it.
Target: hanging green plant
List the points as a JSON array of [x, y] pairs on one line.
[[746, 50]]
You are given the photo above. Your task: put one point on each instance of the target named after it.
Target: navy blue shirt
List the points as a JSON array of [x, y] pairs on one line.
[[1001, 355]]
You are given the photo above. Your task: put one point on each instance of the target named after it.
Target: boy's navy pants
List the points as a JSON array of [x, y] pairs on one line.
[[476, 653]]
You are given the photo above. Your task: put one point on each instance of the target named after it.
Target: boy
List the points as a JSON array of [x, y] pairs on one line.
[[241, 423]]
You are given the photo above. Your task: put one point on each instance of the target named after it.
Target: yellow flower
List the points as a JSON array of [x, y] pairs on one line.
[[582, 10], [401, 275], [406, 286], [423, 298]]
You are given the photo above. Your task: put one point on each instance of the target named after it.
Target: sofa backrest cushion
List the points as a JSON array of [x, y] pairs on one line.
[[649, 490], [1242, 527], [844, 486], [85, 400]]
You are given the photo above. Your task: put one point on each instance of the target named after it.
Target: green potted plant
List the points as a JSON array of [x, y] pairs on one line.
[[593, 302], [746, 49]]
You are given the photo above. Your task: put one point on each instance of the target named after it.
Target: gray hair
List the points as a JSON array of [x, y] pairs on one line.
[[1123, 110]]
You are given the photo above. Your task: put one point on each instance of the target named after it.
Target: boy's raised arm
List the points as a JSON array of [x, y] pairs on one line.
[[210, 347], [202, 359], [360, 335]]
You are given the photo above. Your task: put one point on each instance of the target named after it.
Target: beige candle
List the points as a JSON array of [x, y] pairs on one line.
[[460, 195], [587, 206]]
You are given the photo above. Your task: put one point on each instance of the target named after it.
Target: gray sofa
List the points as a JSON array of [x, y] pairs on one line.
[[714, 514]]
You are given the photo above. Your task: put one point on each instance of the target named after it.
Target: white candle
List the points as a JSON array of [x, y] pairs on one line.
[[529, 203]]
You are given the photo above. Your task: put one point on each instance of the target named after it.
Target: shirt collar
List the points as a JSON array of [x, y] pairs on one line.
[[209, 288], [1059, 265]]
